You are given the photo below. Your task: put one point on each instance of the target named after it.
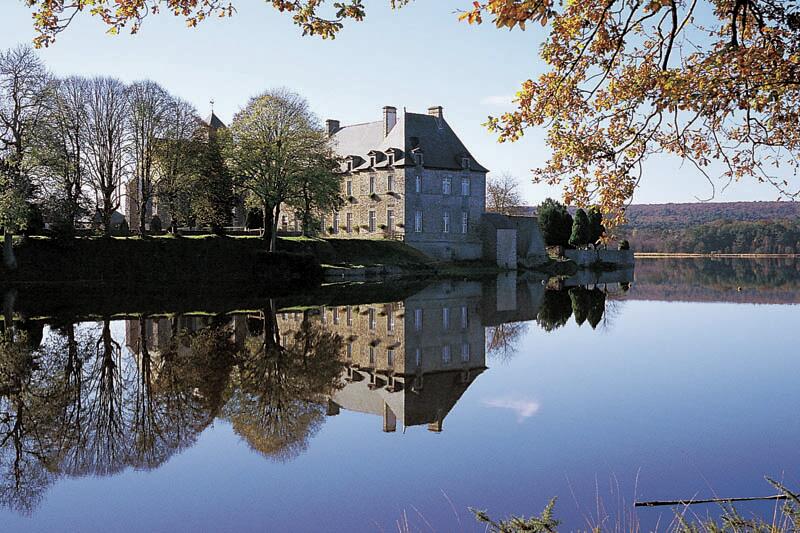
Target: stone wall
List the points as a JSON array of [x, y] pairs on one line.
[[433, 203], [414, 190], [585, 258], [530, 243], [360, 202]]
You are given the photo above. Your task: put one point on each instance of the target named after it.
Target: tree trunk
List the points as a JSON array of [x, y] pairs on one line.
[[142, 218], [267, 225], [9, 259], [273, 241]]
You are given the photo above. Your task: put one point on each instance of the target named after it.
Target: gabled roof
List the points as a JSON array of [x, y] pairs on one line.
[[213, 122], [413, 132]]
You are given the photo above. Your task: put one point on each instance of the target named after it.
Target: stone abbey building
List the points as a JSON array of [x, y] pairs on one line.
[[409, 177]]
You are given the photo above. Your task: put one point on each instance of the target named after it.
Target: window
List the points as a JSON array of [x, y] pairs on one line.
[[465, 163], [390, 357], [284, 222], [372, 355], [372, 184], [464, 317], [446, 222], [349, 350], [464, 186], [349, 223], [464, 221], [418, 221], [390, 183], [371, 314], [335, 312], [349, 314], [390, 221], [465, 352], [323, 312], [445, 318], [418, 357], [446, 354], [419, 159], [417, 319], [389, 318], [335, 222], [372, 220], [418, 184], [447, 184], [349, 187]]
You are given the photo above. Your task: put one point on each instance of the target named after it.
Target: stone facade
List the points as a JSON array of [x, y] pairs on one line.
[[409, 178]]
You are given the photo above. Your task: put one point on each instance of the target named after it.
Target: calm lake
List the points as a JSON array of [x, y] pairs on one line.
[[358, 409]]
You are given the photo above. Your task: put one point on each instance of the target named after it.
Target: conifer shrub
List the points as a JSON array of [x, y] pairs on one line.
[[155, 224]]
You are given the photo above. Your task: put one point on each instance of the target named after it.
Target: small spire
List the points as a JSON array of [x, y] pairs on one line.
[[212, 105]]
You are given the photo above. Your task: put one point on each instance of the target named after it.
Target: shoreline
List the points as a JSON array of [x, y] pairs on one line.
[[682, 255]]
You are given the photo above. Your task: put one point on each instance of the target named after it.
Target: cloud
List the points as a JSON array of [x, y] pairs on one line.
[[499, 99], [525, 408]]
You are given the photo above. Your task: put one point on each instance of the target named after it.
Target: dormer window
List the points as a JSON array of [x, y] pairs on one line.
[[372, 160], [349, 165], [390, 156], [418, 158]]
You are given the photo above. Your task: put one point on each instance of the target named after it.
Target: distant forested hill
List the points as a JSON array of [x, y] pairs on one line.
[[664, 216], [731, 227]]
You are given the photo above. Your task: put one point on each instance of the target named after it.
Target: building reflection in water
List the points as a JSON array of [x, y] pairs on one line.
[[76, 401]]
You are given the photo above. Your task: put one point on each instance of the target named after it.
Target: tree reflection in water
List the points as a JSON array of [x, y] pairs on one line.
[[79, 403], [281, 383], [79, 406], [502, 339]]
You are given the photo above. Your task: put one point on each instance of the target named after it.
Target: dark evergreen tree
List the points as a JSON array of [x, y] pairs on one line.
[[555, 223], [213, 198], [596, 227], [581, 231]]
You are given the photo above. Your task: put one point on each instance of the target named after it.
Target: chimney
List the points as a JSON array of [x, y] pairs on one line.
[[331, 127], [389, 119], [389, 419], [436, 111]]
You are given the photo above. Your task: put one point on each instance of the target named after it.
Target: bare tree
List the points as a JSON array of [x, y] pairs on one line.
[[502, 193], [106, 144], [24, 84], [148, 106], [61, 151]]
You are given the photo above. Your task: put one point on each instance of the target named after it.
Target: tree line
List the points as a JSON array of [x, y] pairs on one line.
[[721, 236], [68, 147]]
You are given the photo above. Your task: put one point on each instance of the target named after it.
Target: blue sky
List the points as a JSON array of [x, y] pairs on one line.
[[414, 58]]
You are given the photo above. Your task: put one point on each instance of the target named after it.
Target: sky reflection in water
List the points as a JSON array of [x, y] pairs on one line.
[[459, 394]]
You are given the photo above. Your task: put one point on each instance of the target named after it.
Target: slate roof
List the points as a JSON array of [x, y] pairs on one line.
[[214, 122], [430, 135]]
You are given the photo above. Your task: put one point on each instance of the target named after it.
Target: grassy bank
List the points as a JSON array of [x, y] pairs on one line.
[[130, 262], [208, 261]]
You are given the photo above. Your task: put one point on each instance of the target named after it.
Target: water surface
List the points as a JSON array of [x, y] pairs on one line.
[[366, 408]]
